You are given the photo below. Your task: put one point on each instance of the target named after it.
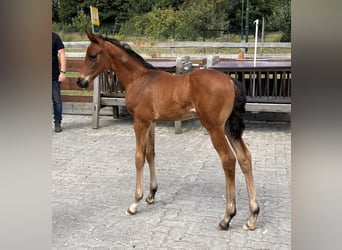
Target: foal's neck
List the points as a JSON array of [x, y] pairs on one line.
[[125, 66]]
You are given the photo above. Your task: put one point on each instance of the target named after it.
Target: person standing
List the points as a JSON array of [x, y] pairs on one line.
[[58, 76]]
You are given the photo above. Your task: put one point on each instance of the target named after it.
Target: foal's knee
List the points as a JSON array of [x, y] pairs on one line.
[[139, 159]]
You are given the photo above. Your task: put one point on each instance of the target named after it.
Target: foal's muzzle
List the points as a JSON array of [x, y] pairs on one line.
[[82, 83]]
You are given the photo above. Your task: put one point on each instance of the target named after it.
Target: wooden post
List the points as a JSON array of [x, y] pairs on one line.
[[172, 49], [179, 69], [179, 65], [96, 103], [241, 54], [116, 112], [212, 60]]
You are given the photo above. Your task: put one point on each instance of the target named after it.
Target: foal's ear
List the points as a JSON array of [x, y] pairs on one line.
[[92, 37]]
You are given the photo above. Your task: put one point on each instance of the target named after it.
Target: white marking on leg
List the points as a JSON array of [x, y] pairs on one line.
[[133, 207]]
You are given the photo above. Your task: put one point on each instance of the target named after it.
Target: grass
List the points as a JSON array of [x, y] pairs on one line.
[[81, 36], [200, 51], [72, 74], [72, 37], [77, 92]]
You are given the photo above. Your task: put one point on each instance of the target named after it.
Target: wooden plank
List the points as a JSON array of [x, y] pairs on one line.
[[268, 107], [74, 65], [68, 98], [255, 107], [268, 99], [76, 44], [110, 101], [70, 84], [191, 44]]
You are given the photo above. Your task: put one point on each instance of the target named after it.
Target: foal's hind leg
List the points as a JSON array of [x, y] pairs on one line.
[[141, 129], [150, 155], [244, 158], [228, 163]]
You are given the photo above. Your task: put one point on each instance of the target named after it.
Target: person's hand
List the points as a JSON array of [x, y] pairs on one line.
[[61, 77]]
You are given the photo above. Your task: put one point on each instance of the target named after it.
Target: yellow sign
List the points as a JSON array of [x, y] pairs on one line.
[[94, 13]]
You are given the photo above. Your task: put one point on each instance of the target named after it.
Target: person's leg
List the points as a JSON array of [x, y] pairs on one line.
[[57, 105]]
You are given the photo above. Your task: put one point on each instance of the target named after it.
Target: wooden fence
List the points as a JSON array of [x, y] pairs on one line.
[[174, 47], [190, 44], [69, 89], [268, 84]]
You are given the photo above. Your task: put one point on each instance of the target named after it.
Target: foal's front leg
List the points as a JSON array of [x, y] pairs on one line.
[[141, 129]]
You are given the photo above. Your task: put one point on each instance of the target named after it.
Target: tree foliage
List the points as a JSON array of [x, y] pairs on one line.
[[201, 18], [81, 22], [156, 23], [179, 19], [281, 20]]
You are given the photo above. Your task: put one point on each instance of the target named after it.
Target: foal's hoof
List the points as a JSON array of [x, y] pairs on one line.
[[132, 209], [247, 226], [223, 225], [149, 200], [129, 212]]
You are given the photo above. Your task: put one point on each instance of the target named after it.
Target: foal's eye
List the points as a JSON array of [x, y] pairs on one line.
[[92, 57]]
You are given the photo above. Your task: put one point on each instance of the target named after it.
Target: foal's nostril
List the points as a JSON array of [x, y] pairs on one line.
[[82, 83], [78, 82]]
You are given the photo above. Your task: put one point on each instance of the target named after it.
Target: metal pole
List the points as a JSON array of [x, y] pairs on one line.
[[256, 39], [255, 50]]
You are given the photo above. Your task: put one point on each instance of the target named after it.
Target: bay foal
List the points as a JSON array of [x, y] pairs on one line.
[[152, 95]]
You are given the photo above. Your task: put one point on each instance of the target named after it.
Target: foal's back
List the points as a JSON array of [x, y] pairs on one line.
[[173, 97]]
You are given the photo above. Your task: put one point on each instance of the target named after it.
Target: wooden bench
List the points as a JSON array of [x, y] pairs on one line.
[[268, 84]]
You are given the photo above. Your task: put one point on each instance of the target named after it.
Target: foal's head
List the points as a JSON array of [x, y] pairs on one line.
[[98, 58], [95, 62]]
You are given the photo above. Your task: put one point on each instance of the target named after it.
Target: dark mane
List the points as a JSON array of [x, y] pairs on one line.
[[129, 50]]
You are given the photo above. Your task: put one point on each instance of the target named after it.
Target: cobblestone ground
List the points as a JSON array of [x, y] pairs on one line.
[[93, 177]]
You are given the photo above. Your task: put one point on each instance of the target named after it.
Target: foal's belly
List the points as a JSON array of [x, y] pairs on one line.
[[176, 115]]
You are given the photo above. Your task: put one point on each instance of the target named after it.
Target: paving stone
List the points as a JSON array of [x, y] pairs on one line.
[[93, 182]]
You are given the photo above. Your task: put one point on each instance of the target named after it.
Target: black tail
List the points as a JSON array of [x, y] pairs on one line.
[[235, 124]]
